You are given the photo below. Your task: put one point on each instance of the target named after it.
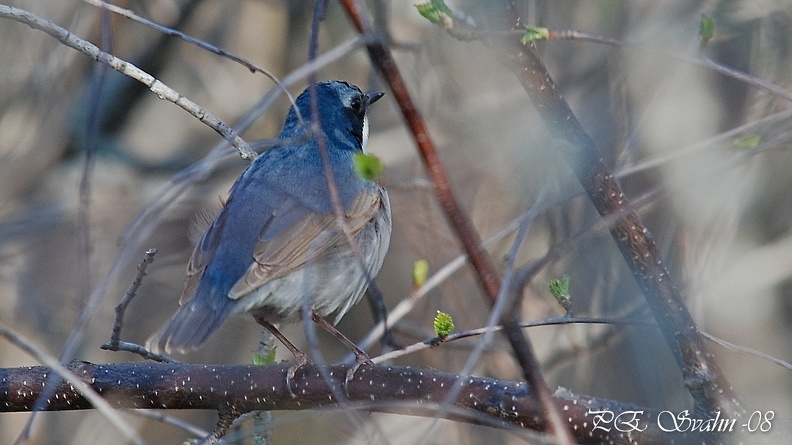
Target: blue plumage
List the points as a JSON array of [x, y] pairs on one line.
[[277, 240]]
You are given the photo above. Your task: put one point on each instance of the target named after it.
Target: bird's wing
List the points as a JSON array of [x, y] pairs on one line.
[[202, 255], [305, 240]]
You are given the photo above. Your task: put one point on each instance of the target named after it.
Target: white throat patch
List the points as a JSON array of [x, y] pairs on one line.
[[365, 132]]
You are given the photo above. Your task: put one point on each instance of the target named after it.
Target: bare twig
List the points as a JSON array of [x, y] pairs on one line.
[[162, 91], [89, 146], [341, 221], [228, 415], [746, 350], [79, 386], [199, 43], [463, 30], [171, 420], [115, 343], [118, 323], [753, 81], [555, 321]]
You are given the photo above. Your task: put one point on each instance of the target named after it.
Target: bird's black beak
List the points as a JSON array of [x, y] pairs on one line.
[[374, 96]]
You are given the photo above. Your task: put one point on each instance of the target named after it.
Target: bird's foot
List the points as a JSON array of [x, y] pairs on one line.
[[302, 360], [361, 358]]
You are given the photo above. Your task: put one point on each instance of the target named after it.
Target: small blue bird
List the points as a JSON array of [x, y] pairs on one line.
[[277, 240]]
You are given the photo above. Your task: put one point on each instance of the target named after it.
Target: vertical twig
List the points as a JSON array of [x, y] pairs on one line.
[[120, 310]]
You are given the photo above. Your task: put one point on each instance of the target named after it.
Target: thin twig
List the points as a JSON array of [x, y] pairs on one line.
[[77, 384], [464, 30], [506, 302], [162, 91], [554, 321], [228, 415], [115, 335], [746, 350], [170, 420], [338, 208], [115, 343], [199, 43], [705, 62]]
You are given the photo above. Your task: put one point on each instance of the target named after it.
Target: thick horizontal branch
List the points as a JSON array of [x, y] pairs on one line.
[[240, 389]]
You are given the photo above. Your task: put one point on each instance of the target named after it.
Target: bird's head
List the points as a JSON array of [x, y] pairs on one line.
[[342, 110]]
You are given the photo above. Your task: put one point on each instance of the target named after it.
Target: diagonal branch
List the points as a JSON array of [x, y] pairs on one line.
[[703, 377], [162, 91], [488, 278]]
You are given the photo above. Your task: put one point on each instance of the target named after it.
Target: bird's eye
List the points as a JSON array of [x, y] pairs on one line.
[[357, 105]]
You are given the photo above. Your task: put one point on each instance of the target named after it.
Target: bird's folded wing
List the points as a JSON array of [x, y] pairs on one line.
[[306, 240], [201, 257]]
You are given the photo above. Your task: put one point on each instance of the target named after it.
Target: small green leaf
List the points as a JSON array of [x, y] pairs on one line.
[[443, 324], [748, 142], [534, 33], [260, 359], [367, 166], [420, 272], [436, 11], [560, 289], [706, 29]]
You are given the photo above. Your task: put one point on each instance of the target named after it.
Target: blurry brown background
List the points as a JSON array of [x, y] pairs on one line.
[[721, 217]]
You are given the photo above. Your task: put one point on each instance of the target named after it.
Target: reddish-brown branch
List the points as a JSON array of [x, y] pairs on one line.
[[489, 279], [703, 377]]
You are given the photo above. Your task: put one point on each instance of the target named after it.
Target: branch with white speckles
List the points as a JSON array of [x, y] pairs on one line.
[[245, 388]]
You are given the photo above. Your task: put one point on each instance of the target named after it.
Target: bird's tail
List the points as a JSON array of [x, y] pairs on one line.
[[189, 328]]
